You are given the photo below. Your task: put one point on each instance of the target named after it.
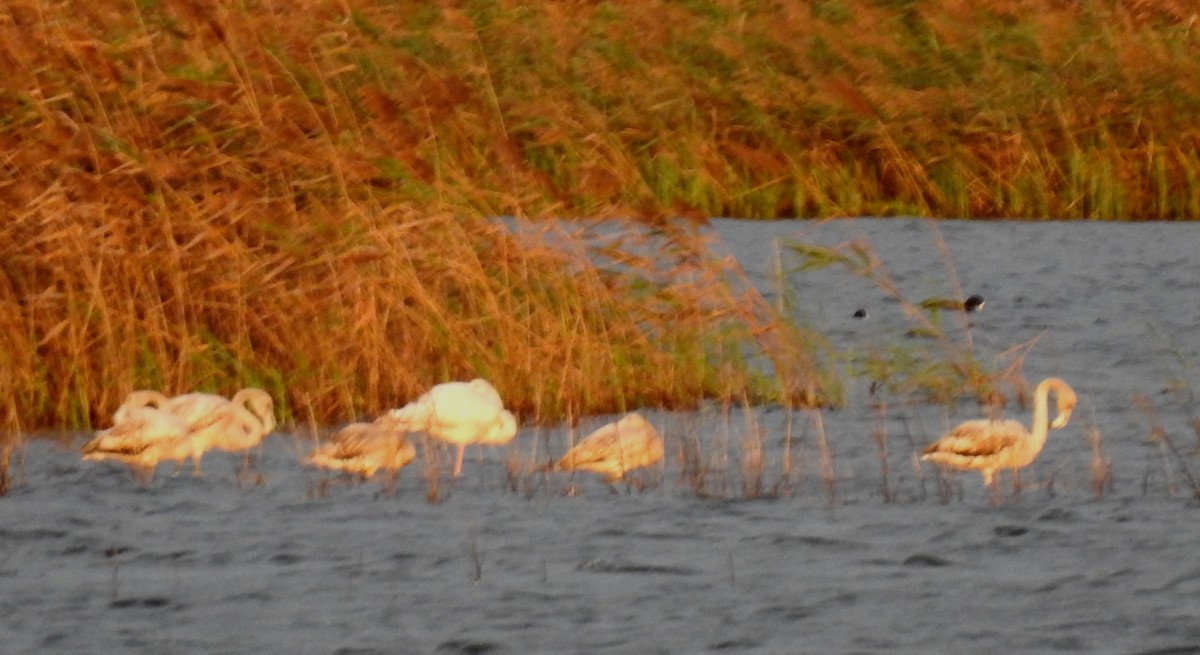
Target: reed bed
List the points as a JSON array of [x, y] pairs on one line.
[[201, 197], [702, 108], [335, 320]]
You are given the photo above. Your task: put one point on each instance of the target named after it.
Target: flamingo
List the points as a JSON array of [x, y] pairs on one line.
[[213, 420], [364, 449], [144, 437], [251, 418], [616, 448], [989, 445], [460, 413]]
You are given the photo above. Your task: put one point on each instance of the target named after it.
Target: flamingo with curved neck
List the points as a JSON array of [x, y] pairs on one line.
[[989, 446], [137, 400], [213, 421], [251, 418]]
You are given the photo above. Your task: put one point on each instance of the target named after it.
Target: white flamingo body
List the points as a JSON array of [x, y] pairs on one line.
[[207, 415], [363, 449], [144, 438], [213, 421], [989, 446], [616, 448], [460, 413]]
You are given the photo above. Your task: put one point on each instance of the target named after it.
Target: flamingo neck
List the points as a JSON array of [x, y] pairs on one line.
[[249, 419], [1041, 416], [249, 416]]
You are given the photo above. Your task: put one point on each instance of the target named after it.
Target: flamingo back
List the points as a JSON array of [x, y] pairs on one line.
[[364, 449], [617, 448], [137, 400], [459, 412], [146, 436]]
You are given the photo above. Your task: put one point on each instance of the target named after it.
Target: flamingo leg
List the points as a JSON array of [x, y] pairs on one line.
[[391, 481], [459, 459], [144, 474], [250, 468], [989, 479]]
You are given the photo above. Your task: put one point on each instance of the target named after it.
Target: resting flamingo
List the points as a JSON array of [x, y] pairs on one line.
[[989, 446], [616, 448], [363, 449], [460, 413], [144, 437], [214, 421], [251, 419]]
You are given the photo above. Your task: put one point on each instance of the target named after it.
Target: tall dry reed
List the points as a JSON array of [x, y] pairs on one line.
[[211, 196]]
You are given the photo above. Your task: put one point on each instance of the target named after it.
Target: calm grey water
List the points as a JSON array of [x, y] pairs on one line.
[[90, 562]]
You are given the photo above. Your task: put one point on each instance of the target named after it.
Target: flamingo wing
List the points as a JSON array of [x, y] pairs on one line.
[[145, 428], [364, 448], [450, 406], [200, 410], [979, 438], [485, 392]]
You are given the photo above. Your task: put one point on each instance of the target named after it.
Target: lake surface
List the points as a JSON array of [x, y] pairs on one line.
[[855, 557]]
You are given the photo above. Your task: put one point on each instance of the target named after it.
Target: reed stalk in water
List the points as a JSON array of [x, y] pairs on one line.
[[1167, 447], [879, 435], [828, 473], [7, 444], [1101, 464], [751, 459]]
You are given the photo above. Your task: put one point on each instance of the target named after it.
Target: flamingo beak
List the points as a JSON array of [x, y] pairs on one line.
[[1062, 418]]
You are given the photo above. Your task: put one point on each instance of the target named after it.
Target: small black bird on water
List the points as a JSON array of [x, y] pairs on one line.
[[860, 313], [974, 303]]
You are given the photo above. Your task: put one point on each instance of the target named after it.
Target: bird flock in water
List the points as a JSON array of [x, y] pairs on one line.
[[150, 427]]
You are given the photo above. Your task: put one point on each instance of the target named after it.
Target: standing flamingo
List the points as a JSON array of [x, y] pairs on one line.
[[460, 413], [616, 448], [144, 437], [988, 445]]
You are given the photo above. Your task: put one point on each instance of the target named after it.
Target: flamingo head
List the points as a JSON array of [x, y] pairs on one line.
[[503, 430], [1066, 405]]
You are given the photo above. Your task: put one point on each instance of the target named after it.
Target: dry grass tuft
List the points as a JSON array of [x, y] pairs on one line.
[[1101, 464], [1167, 448]]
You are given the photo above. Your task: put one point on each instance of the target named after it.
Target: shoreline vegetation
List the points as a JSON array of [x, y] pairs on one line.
[[299, 196]]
